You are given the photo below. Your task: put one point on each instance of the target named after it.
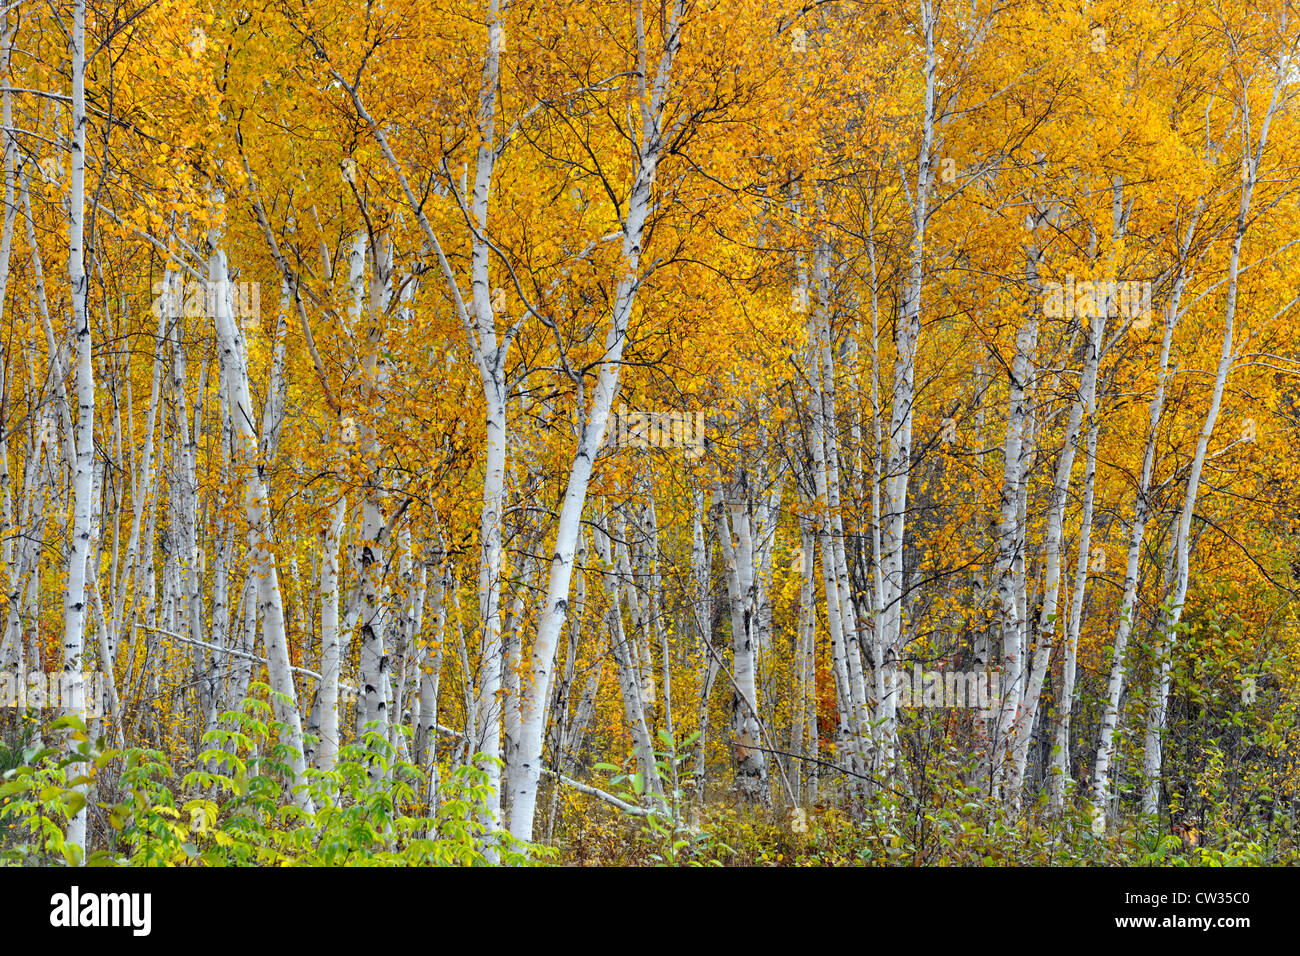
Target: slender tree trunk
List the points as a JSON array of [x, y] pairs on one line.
[[591, 437], [78, 283], [1141, 510], [899, 460], [261, 542], [1047, 629], [1009, 554], [331, 658]]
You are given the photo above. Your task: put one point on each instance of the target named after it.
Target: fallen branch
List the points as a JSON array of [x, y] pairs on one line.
[[234, 653], [609, 798], [628, 808]]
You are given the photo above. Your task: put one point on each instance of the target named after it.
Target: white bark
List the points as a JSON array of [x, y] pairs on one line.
[[1059, 775], [78, 283], [628, 678], [331, 658], [1048, 621], [261, 542], [1010, 559], [835, 623], [592, 435], [431, 669], [736, 542], [1176, 583], [1141, 511], [899, 461], [702, 612], [372, 709]]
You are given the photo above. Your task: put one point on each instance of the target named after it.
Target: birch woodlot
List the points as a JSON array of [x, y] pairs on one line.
[[330, 340]]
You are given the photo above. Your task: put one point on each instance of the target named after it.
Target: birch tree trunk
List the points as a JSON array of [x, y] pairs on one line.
[[490, 353], [9, 636], [1009, 546], [592, 435], [628, 678], [1060, 774], [78, 284], [490, 357], [1141, 510], [331, 658], [834, 614], [803, 727], [736, 542], [858, 712], [426, 733], [261, 541], [702, 612], [1047, 629], [899, 461], [372, 708], [1176, 583]]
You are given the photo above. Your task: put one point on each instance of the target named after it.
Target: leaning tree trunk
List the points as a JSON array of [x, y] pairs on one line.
[[257, 509], [1141, 511], [591, 437]]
